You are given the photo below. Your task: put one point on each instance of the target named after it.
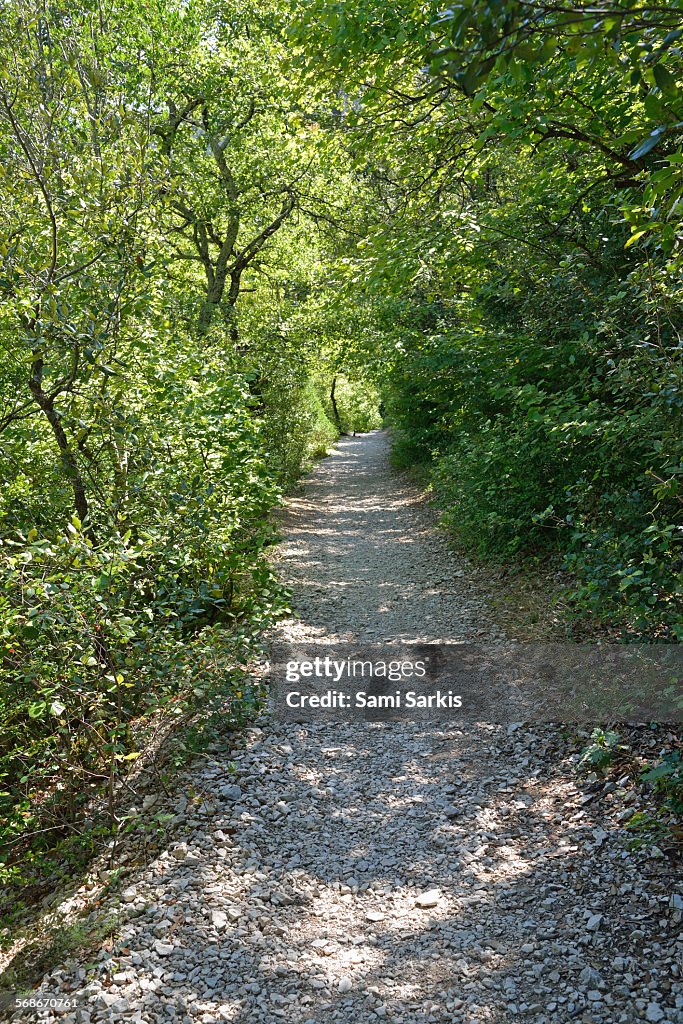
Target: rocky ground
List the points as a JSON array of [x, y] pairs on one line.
[[398, 872]]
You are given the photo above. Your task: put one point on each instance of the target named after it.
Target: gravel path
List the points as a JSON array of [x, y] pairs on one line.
[[364, 561], [363, 873]]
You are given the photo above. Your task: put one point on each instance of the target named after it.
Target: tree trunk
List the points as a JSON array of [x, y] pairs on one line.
[[333, 401], [69, 460], [205, 317]]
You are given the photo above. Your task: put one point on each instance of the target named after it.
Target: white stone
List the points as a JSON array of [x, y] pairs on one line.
[[428, 899]]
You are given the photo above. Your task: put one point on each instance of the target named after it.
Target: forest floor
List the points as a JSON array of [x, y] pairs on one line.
[[387, 872]]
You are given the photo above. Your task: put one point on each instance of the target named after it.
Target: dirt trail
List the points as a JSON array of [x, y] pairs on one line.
[[362, 873]]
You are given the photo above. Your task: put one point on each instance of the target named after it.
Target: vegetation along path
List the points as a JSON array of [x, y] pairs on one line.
[[374, 872]]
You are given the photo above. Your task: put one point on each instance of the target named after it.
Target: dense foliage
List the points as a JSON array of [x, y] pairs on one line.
[[524, 267], [233, 231], [158, 166]]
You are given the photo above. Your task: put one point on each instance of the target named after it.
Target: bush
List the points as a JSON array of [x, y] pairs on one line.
[[357, 404], [98, 637], [144, 607], [295, 428], [538, 450]]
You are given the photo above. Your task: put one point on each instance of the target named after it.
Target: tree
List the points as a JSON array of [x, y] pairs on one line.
[[235, 160], [74, 191], [531, 345]]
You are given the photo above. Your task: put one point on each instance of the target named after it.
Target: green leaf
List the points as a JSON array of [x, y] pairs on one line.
[[653, 139], [664, 79], [634, 238], [660, 771]]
